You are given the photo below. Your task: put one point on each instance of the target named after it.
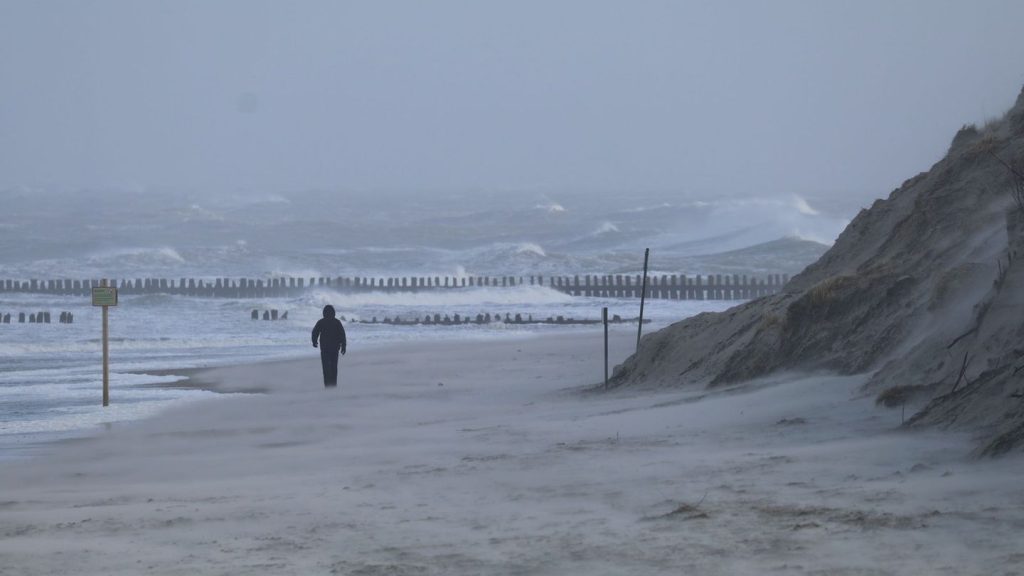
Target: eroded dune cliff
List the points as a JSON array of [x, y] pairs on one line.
[[924, 290]]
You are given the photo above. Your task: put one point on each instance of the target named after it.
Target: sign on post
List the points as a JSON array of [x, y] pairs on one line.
[[105, 296]]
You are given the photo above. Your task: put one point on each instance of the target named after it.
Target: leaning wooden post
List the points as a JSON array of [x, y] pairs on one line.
[[643, 296], [604, 318]]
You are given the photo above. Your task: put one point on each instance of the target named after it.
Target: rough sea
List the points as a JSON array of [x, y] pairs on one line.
[[50, 374]]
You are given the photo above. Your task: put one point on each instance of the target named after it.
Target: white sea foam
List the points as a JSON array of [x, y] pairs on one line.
[[803, 207], [462, 297], [655, 207], [85, 417], [163, 253], [197, 212], [530, 248], [551, 208], [277, 268]]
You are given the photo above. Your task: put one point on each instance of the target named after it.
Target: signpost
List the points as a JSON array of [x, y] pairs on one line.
[[105, 296]]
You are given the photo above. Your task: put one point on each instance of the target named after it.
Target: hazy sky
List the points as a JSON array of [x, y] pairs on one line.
[[759, 97]]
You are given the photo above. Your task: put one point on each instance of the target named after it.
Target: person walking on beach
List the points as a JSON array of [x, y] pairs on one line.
[[331, 334]]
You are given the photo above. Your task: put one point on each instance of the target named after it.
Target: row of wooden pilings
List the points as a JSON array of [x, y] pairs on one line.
[[37, 318], [674, 286], [480, 319]]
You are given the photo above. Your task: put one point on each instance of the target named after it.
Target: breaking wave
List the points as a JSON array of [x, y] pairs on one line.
[[463, 297], [162, 254]]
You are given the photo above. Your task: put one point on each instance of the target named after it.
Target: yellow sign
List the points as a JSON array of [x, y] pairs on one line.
[[104, 296]]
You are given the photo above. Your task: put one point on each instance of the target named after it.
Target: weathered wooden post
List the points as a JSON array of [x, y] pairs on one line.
[[604, 318], [643, 295], [105, 296]]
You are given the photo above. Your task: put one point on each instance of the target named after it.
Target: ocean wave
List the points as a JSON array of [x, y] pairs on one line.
[[197, 212], [803, 207], [530, 248], [606, 227], [164, 253], [638, 209], [275, 268], [551, 208]]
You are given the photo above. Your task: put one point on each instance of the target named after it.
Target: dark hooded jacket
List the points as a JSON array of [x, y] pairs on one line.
[[329, 331]]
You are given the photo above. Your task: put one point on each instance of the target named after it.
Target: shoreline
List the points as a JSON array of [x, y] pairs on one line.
[[219, 379]]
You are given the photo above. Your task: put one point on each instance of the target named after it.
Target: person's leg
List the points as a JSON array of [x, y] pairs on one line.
[[330, 360], [334, 366], [325, 362], [334, 369]]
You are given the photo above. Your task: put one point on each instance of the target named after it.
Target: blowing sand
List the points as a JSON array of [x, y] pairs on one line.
[[486, 458]]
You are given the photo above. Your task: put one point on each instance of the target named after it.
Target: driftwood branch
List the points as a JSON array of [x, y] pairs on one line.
[[961, 337], [963, 370]]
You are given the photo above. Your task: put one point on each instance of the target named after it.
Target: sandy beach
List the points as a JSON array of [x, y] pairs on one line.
[[489, 458]]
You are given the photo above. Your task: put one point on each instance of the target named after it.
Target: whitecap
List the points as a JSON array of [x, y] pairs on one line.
[[803, 207], [530, 248], [552, 208]]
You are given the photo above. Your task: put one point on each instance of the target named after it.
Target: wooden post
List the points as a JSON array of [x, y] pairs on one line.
[[604, 318], [643, 295], [106, 352]]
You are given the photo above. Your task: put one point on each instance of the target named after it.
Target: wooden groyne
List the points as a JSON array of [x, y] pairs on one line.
[[486, 318], [36, 318], [673, 287]]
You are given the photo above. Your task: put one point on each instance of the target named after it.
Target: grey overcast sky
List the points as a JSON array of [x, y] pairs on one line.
[[711, 97]]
